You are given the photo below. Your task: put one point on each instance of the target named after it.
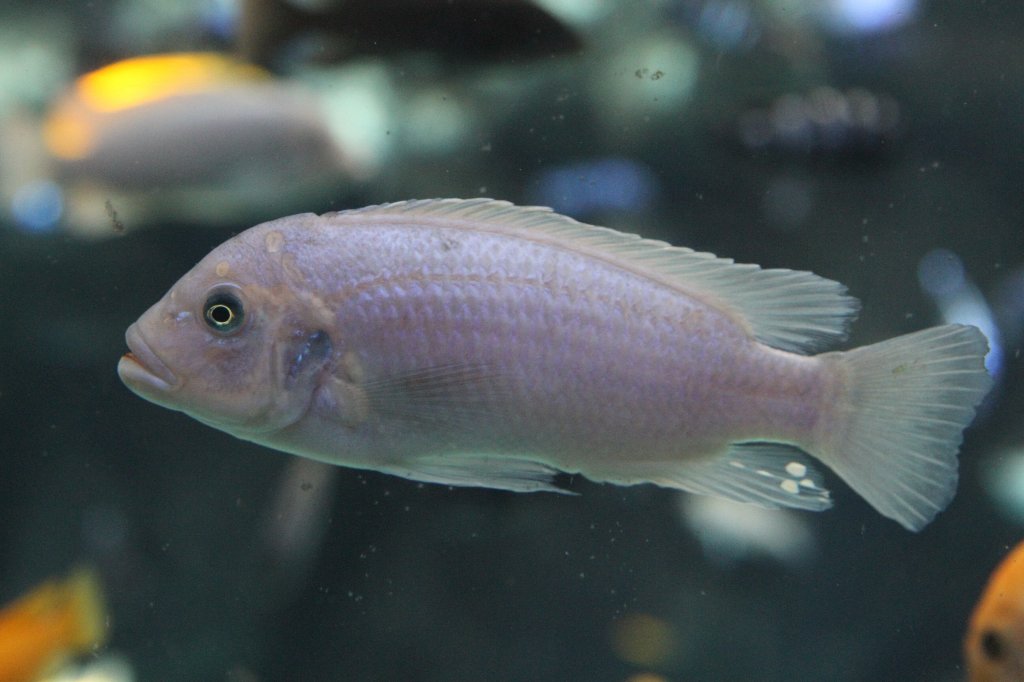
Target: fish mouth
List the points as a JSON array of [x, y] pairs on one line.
[[141, 370]]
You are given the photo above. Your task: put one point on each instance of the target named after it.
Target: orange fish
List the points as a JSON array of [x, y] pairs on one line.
[[994, 646], [55, 621]]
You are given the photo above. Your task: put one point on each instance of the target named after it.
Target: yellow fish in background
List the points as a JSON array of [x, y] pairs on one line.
[[49, 625], [183, 134], [994, 645], [81, 122], [464, 32], [473, 342]]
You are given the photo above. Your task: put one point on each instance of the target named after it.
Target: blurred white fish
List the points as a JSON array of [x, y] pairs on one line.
[[731, 531], [181, 134], [473, 342]]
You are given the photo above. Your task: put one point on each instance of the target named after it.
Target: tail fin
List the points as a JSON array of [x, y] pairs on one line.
[[898, 425]]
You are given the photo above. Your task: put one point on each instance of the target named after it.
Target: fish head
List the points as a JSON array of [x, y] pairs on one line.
[[236, 343]]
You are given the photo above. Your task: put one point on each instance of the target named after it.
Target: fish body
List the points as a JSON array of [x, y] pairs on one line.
[[54, 621], [994, 645], [472, 342]]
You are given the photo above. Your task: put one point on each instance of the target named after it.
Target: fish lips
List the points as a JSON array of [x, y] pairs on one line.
[[143, 371]]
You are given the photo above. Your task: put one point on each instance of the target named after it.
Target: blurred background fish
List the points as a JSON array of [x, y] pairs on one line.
[[214, 135], [856, 124], [462, 31], [206, 137], [53, 623], [731, 533], [994, 645]]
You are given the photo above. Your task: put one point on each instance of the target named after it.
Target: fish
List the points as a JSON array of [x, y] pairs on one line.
[[54, 622], [460, 31], [193, 134], [472, 342], [994, 643], [731, 533], [824, 124]]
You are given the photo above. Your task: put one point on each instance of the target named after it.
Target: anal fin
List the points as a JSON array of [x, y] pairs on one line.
[[770, 475]]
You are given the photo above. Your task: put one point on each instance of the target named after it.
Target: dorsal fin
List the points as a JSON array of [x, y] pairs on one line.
[[786, 309]]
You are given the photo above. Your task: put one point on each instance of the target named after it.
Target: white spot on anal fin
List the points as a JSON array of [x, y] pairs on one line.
[[753, 473], [796, 469]]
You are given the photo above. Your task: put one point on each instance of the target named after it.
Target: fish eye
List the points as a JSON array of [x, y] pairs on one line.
[[992, 645], [223, 312]]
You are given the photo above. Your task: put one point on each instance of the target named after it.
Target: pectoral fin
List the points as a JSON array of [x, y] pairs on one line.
[[447, 395]]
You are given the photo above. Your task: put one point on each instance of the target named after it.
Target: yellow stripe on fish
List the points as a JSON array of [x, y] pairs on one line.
[[72, 127], [140, 80]]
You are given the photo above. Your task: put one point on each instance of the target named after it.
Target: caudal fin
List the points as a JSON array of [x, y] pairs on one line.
[[896, 429]]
